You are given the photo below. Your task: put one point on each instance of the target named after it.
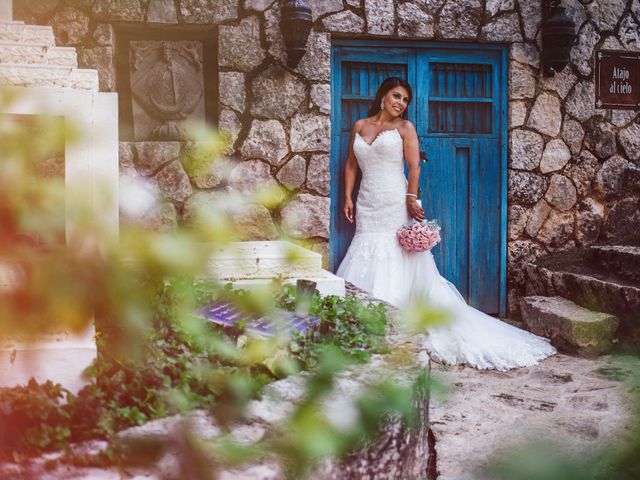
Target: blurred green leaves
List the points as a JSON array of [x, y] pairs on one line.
[[155, 356]]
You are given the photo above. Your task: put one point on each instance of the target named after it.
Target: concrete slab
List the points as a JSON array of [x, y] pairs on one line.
[[61, 358], [581, 403], [245, 264]]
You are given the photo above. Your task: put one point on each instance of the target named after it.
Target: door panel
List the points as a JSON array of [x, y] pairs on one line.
[[356, 76], [457, 110]]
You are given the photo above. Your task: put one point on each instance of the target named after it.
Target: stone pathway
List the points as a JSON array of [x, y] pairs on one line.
[[583, 403]]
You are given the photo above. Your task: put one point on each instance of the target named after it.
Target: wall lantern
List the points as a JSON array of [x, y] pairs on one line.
[[295, 24], [558, 36]]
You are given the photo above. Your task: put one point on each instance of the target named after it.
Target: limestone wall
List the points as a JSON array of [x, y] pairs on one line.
[[573, 169]]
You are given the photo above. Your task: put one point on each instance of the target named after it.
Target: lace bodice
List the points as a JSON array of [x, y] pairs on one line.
[[380, 206]]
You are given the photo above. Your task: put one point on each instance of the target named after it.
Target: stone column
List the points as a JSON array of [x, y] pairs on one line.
[[6, 10]]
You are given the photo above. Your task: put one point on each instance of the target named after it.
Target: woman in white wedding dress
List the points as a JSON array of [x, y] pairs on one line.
[[375, 261]]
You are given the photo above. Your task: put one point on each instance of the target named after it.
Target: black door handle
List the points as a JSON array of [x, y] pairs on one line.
[[423, 157]]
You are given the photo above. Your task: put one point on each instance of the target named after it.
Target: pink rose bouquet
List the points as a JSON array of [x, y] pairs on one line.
[[419, 236]]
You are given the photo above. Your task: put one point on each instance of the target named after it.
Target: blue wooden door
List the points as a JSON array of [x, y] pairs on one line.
[[459, 114]]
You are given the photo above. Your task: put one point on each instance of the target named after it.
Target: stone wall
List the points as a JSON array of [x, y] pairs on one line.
[[573, 169]]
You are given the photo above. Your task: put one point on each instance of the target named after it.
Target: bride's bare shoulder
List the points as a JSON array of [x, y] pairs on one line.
[[406, 128], [359, 124]]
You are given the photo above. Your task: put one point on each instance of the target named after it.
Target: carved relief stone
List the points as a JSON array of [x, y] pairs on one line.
[[167, 86]]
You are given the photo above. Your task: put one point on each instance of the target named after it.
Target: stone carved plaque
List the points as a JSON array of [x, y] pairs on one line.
[[167, 86], [618, 79]]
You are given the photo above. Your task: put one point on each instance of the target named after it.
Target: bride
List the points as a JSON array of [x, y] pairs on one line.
[[375, 261]]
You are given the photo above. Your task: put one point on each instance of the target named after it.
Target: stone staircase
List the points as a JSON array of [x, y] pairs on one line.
[[30, 58], [586, 300]]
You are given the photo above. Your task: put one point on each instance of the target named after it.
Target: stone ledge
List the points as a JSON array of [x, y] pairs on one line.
[[27, 34], [246, 264], [21, 54], [621, 259], [569, 276], [380, 459], [35, 75], [570, 327]]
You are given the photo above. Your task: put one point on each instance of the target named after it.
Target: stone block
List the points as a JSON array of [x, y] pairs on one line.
[[162, 11], [100, 59], [293, 173], [623, 260], [414, 22], [37, 34], [561, 193], [61, 358], [42, 76], [62, 56], [610, 180], [622, 221], [546, 115], [318, 177], [265, 141], [572, 276], [151, 156], [346, 21], [70, 26], [525, 149], [589, 219], [526, 187], [261, 260], [556, 155], [570, 327], [310, 133], [307, 216], [17, 53], [502, 29], [84, 79], [316, 62], [239, 46], [629, 138], [380, 16], [277, 94], [460, 19]]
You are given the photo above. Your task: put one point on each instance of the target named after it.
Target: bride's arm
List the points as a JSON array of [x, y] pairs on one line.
[[350, 173], [412, 157]]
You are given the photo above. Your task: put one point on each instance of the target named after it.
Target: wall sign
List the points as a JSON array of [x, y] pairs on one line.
[[618, 79]]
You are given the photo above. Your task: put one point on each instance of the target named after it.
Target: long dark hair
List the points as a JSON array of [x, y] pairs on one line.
[[383, 89]]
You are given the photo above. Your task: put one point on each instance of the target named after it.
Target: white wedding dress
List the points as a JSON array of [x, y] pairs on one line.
[[376, 263]]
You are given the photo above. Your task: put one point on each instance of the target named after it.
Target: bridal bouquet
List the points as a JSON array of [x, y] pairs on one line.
[[419, 236]]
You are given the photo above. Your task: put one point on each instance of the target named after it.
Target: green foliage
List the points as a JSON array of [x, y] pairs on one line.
[[155, 358], [176, 371], [33, 418], [355, 328]]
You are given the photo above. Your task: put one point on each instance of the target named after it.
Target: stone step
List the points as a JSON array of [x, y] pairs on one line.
[[259, 260], [21, 54], [248, 264], [27, 34], [326, 283], [570, 327], [572, 276], [48, 76], [621, 259]]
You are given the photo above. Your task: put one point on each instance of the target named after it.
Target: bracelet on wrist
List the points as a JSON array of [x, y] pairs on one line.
[[411, 195]]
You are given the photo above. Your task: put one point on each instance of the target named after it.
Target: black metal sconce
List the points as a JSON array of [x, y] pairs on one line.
[[295, 25], [558, 32]]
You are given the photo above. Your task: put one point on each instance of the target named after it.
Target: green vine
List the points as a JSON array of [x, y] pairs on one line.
[[178, 372]]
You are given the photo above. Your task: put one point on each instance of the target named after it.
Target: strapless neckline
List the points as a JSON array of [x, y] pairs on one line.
[[380, 134]]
